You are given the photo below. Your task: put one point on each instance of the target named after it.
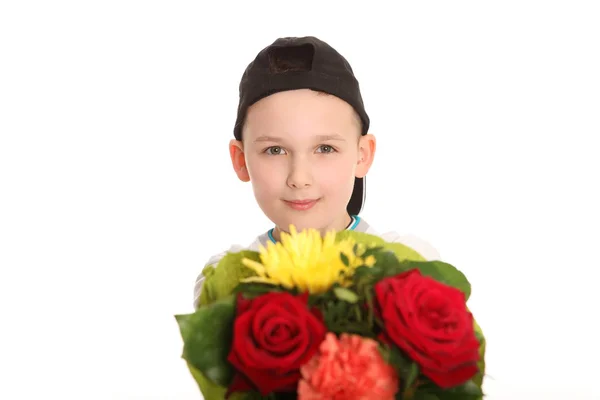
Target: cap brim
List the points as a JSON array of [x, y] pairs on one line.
[[357, 200]]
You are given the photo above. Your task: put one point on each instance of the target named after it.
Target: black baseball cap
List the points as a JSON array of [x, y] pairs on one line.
[[292, 63]]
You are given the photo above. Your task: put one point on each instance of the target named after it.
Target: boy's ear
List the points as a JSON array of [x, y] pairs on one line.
[[366, 153], [238, 160]]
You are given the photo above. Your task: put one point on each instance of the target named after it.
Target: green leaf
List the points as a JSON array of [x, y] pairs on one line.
[[207, 336], [478, 379], [222, 279], [253, 395], [467, 391], [345, 259], [442, 272], [346, 295], [425, 396], [386, 264], [372, 251], [340, 315], [255, 289], [208, 389], [401, 251], [469, 388], [413, 373], [479, 335], [407, 370]]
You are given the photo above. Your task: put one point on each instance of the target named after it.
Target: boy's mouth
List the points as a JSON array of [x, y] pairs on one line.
[[301, 205]]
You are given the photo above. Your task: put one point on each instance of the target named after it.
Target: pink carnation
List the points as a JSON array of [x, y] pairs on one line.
[[350, 368]]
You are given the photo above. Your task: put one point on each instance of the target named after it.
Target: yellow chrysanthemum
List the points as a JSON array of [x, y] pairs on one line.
[[307, 261]]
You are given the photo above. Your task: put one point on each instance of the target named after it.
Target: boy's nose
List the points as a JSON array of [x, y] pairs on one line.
[[300, 176]]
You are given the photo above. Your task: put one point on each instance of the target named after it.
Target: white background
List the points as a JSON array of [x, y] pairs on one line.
[[116, 186]]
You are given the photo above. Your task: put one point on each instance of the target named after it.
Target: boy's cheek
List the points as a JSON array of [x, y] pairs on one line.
[[260, 171], [267, 184], [337, 175]]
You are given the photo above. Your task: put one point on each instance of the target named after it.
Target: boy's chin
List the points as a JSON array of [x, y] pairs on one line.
[[304, 222], [300, 223]]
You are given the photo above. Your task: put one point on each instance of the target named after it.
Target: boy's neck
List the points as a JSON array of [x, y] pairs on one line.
[[347, 220]]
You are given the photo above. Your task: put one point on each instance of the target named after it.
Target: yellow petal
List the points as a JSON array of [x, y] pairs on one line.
[[255, 266]]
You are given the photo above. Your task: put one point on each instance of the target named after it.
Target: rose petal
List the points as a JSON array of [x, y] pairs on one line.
[[242, 304], [447, 379], [430, 322], [274, 336], [266, 340]]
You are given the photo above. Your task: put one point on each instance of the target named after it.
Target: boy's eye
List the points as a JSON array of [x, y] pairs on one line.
[[326, 149], [274, 151]]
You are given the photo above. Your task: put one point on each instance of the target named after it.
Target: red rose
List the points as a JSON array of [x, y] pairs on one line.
[[430, 322], [274, 335]]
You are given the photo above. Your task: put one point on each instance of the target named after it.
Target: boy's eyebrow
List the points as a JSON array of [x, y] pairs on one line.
[[320, 138], [323, 138], [267, 139]]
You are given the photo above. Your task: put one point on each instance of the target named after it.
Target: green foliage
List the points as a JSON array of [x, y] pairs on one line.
[[467, 391], [423, 396], [253, 395], [206, 350], [254, 289], [401, 251], [222, 279], [478, 379], [442, 272], [346, 295], [408, 371], [209, 389], [342, 311]]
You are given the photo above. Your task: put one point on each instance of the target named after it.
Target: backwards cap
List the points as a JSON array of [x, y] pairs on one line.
[[303, 63]]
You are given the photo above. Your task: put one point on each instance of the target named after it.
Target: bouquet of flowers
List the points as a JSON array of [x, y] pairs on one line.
[[344, 316]]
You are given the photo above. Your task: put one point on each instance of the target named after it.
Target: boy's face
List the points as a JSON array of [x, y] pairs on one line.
[[302, 150]]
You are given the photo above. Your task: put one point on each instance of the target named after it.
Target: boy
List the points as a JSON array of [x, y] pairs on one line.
[[301, 138]]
